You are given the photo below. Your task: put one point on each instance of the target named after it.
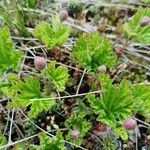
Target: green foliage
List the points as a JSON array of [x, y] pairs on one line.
[[8, 87], [19, 22], [1, 127], [146, 1], [47, 143], [109, 144], [3, 140], [134, 31], [9, 57], [5, 16], [44, 33], [81, 107], [92, 50], [114, 103], [75, 6], [27, 3], [39, 106], [77, 121], [121, 132], [141, 94], [23, 91], [20, 146], [31, 3], [13, 16], [52, 36], [20, 93], [58, 76]]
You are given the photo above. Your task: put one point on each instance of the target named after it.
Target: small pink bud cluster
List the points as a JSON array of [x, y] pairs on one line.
[[63, 15], [129, 124], [100, 127], [75, 134], [119, 50], [145, 21], [40, 62], [102, 69]]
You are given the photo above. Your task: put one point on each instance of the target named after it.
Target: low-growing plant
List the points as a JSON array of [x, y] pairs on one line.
[[58, 76], [81, 107], [93, 50], [28, 92], [109, 143], [20, 93], [54, 35], [120, 132], [141, 95], [27, 3], [15, 19], [47, 143], [133, 29], [114, 103], [77, 124], [8, 53], [117, 102], [75, 6]]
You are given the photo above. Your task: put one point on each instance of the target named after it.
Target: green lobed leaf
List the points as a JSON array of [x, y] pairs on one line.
[[8, 87], [141, 94], [47, 143], [121, 132], [44, 33], [10, 58], [115, 101], [52, 36], [134, 31], [25, 90], [39, 106], [77, 121], [58, 76], [92, 50]]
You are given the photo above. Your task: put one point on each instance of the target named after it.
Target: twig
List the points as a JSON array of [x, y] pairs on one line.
[[81, 80], [138, 55], [11, 124], [20, 141], [27, 49], [23, 38], [63, 97], [131, 62], [6, 123], [97, 138], [142, 122], [136, 139], [2, 100]]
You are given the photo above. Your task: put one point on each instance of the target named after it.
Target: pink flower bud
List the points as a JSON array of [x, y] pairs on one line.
[[119, 50], [145, 21], [102, 69], [100, 127], [75, 134], [63, 15], [40, 62], [129, 124]]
